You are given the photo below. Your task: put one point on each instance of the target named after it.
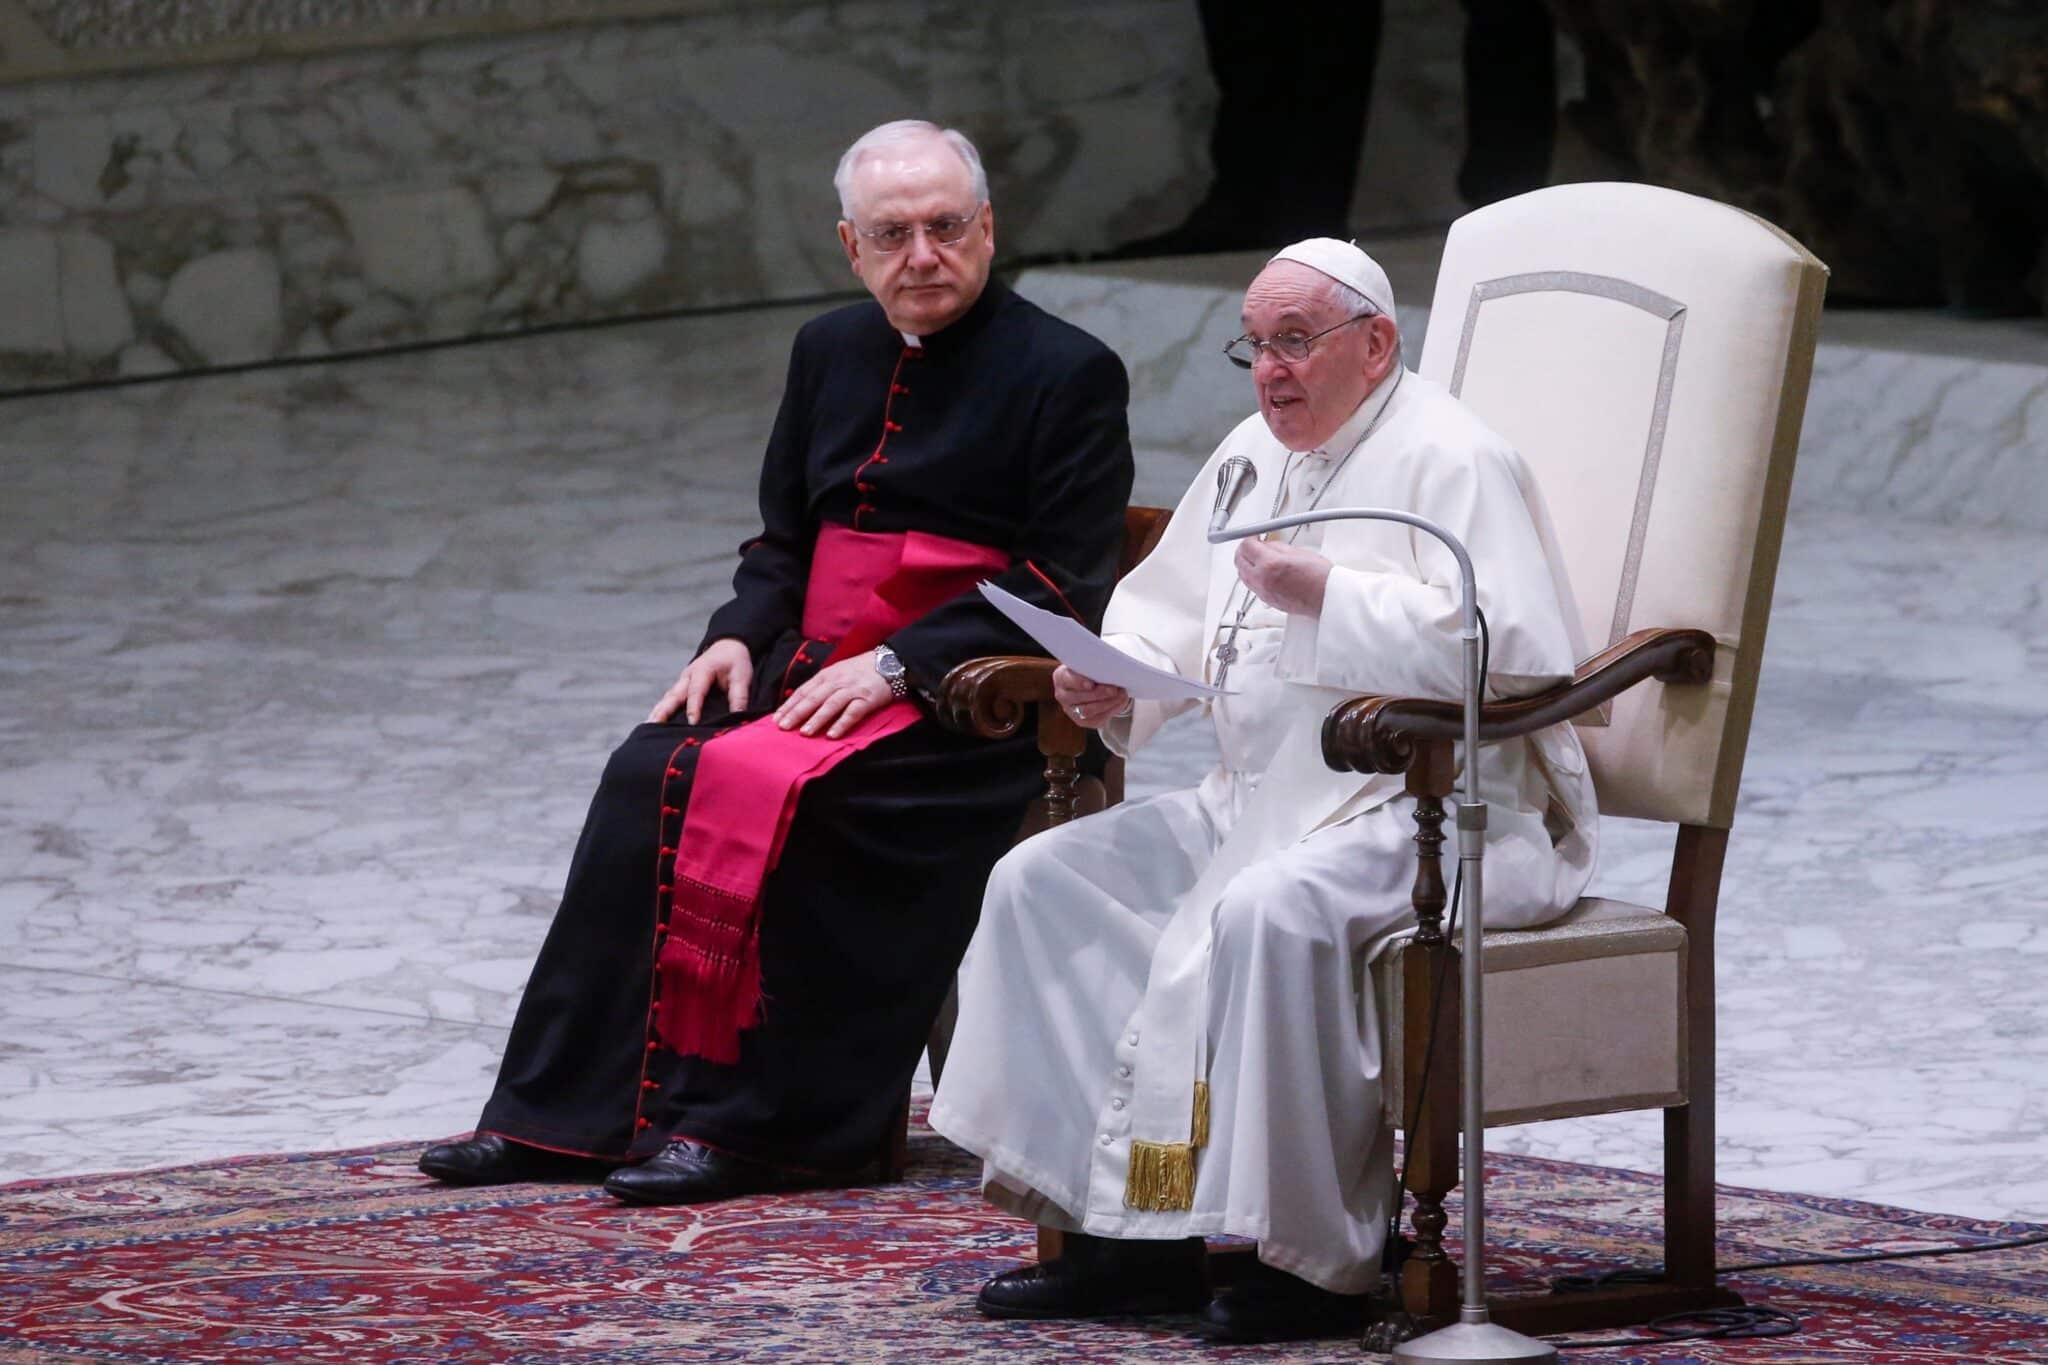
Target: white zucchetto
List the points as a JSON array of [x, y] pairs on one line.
[[1345, 263]]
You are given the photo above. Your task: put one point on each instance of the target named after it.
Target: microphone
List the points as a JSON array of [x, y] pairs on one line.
[[1235, 477]]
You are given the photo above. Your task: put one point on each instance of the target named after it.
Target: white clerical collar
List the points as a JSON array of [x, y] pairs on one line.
[[913, 341], [1356, 425]]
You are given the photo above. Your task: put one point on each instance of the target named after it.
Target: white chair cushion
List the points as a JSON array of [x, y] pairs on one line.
[[1583, 1016]]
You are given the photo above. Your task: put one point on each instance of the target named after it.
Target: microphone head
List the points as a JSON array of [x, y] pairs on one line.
[[1235, 477]]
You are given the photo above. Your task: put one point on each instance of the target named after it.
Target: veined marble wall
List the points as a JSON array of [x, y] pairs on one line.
[[100, 31], [195, 216]]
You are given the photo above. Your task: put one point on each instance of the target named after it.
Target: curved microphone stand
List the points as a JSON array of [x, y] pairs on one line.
[[1473, 1336]]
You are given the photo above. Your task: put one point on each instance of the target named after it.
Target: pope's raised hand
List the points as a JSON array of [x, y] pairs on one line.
[[1284, 576]]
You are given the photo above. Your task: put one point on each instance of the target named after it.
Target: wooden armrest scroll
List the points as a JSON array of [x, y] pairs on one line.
[[1379, 734], [991, 697]]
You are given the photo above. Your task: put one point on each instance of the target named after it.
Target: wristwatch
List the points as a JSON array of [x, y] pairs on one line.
[[891, 669]]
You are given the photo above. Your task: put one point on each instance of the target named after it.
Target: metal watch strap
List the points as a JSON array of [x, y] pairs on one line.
[[891, 669]]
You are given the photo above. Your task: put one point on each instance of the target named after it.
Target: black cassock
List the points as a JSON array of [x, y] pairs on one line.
[[1007, 429]]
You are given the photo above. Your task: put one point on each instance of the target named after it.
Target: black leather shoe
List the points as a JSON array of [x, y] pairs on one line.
[[1095, 1277], [686, 1172], [1265, 1304], [488, 1159]]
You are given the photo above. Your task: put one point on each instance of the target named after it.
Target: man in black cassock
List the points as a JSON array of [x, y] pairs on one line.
[[947, 406]]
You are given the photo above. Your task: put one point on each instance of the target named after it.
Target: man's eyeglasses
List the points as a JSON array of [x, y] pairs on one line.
[[890, 238], [1290, 348]]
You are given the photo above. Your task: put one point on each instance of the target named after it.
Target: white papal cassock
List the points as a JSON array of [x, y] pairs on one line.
[[1223, 933]]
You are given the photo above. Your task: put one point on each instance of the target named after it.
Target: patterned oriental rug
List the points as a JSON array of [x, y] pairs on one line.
[[354, 1257]]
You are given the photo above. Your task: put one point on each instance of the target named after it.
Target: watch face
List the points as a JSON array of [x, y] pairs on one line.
[[888, 665]]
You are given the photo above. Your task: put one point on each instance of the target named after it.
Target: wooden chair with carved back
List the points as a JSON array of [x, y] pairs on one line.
[[1648, 353]]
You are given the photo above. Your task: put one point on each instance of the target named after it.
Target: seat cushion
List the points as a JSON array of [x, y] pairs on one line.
[[1583, 1016]]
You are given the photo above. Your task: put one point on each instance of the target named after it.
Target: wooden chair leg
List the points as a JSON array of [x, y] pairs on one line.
[[1429, 1281], [1689, 1285], [1689, 1128], [1061, 743]]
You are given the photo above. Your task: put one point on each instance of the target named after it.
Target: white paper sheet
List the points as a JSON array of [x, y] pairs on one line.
[[1082, 650]]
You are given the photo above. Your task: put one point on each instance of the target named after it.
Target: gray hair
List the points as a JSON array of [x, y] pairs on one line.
[[1351, 303], [901, 131], [1346, 299]]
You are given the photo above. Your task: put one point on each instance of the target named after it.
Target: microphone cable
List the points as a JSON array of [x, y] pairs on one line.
[[1751, 1320]]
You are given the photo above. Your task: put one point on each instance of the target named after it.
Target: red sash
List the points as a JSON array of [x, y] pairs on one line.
[[863, 586]]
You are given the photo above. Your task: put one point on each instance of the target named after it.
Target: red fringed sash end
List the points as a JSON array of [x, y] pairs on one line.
[[710, 979]]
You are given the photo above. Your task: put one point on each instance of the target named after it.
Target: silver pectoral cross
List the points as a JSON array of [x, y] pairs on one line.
[[1226, 655]]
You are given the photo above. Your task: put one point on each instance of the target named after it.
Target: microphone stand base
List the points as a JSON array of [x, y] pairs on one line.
[[1475, 1341]]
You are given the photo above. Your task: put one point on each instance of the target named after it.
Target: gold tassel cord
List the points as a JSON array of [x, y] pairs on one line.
[[1162, 1177]]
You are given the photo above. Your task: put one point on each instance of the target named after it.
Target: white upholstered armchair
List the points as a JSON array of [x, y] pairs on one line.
[[1648, 353]]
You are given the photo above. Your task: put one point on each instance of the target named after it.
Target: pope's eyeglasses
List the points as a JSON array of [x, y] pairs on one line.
[[949, 230], [1289, 348]]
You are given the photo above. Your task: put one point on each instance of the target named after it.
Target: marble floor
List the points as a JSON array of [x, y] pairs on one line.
[[305, 675]]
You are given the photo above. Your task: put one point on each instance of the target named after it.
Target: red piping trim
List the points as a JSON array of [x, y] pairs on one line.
[[888, 425], [663, 904], [1055, 590], [799, 657], [542, 1146]]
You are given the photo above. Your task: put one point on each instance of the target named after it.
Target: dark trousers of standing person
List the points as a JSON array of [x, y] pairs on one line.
[[1510, 99], [1295, 83]]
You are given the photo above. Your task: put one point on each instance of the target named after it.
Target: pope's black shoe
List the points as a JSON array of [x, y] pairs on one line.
[[1265, 1304], [488, 1159], [1096, 1277], [686, 1172]]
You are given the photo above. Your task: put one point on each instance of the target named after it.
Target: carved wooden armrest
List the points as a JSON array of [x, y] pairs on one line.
[[990, 697], [1379, 734]]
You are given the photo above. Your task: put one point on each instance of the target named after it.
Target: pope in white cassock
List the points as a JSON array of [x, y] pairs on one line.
[[1167, 1028]]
